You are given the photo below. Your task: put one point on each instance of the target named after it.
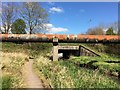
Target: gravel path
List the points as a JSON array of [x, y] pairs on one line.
[[31, 79]]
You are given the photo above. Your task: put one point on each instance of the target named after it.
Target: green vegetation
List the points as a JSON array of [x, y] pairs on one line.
[[64, 74], [110, 31], [113, 49], [111, 67], [32, 20], [102, 64], [14, 55], [12, 70], [7, 81], [18, 27], [83, 71], [32, 49], [108, 50], [93, 71]]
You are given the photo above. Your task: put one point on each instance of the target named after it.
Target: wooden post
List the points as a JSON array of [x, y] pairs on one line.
[[55, 49]]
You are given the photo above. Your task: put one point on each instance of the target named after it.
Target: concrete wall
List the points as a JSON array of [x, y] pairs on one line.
[[71, 50]]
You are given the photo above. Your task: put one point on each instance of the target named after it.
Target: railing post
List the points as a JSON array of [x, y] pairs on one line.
[[55, 49]]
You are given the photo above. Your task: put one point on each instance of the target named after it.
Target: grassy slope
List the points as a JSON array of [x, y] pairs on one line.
[[64, 74], [104, 66]]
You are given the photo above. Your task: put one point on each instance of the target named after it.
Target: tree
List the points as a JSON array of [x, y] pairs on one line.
[[112, 48], [115, 27], [18, 27], [7, 16], [110, 31], [34, 15], [95, 31]]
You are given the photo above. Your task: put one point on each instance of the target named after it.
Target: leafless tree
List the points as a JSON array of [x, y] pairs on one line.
[[0, 17], [34, 15], [95, 31], [7, 16]]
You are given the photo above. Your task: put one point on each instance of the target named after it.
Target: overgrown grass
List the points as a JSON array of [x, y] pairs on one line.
[[12, 69], [111, 67], [100, 49], [100, 63], [64, 74], [6, 82], [13, 58], [32, 49]]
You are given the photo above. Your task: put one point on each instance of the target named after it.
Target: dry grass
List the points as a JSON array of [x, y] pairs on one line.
[[11, 64]]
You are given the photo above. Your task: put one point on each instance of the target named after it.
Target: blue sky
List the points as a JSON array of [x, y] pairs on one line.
[[77, 17]]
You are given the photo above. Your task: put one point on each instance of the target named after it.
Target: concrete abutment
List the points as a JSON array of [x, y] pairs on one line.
[[70, 50]]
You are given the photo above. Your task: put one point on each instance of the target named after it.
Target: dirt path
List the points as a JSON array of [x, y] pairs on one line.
[[31, 79]]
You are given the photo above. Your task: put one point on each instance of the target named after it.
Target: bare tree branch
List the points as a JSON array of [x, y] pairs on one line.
[[7, 16], [34, 15]]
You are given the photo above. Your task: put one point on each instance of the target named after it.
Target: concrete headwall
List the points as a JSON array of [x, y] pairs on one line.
[[72, 50]]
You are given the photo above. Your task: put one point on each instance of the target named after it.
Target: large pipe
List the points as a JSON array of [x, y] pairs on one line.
[[61, 38]]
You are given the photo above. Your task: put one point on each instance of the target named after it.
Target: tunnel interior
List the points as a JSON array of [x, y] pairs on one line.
[[67, 53]]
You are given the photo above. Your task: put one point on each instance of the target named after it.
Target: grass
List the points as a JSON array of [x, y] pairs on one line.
[[100, 63], [13, 58], [100, 49], [32, 49], [112, 67], [6, 82], [11, 69], [89, 78], [64, 74]]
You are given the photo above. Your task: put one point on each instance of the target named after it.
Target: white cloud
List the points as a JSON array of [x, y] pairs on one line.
[[55, 9], [59, 29], [49, 25], [53, 29]]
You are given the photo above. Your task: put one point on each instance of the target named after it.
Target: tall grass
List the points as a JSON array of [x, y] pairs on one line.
[[13, 58], [6, 82], [64, 74], [12, 70], [98, 62], [28, 48]]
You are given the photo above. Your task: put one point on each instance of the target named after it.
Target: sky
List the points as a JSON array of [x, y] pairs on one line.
[[78, 17]]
